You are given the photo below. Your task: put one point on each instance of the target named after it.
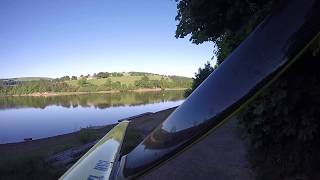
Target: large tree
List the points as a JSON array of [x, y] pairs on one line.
[[282, 124], [224, 22]]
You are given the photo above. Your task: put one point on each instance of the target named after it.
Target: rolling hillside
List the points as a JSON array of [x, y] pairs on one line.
[[122, 79], [103, 81]]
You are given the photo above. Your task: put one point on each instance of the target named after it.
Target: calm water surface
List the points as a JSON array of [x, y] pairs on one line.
[[39, 117]]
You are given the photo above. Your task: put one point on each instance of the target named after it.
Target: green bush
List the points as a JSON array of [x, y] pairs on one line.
[[283, 124], [202, 74], [86, 135]]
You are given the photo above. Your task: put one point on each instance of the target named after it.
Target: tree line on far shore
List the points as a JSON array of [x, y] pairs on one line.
[[102, 75], [85, 85]]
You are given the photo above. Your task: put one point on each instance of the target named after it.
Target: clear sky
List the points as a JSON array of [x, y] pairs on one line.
[[53, 38]]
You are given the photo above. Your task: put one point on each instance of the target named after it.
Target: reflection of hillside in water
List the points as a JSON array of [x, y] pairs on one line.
[[100, 101]]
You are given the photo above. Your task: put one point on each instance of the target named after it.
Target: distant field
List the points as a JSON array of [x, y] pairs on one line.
[[127, 82], [123, 80]]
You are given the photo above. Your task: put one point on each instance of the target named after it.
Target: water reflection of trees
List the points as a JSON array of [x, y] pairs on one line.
[[100, 101]]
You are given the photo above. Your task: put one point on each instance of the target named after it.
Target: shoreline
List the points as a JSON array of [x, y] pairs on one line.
[[69, 145], [132, 119], [51, 94], [55, 155]]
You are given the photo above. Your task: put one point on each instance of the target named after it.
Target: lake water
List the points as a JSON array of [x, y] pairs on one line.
[[40, 117]]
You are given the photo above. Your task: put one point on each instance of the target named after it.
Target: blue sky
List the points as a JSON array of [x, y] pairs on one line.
[[53, 38]]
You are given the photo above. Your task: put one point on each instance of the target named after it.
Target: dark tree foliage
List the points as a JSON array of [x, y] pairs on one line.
[[207, 20], [283, 124], [74, 78], [65, 78], [140, 74], [224, 22], [202, 74], [37, 87], [163, 83], [116, 74], [144, 82], [8, 83], [103, 75]]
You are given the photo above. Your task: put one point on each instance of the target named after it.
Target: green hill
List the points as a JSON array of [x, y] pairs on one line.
[[122, 79], [102, 81]]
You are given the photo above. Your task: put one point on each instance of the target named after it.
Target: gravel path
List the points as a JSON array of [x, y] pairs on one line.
[[220, 156]]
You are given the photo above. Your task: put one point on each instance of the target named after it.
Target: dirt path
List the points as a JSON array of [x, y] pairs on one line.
[[220, 156]]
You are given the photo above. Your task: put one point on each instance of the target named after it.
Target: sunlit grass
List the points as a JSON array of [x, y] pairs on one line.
[[123, 80]]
